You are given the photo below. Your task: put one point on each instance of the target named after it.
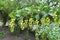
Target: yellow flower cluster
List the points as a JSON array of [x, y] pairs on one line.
[[30, 21], [37, 22], [47, 21], [55, 16], [24, 24], [11, 25]]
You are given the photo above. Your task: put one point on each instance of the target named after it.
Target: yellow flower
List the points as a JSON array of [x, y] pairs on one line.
[[55, 14], [11, 25], [22, 25], [47, 21], [21, 22], [26, 23], [30, 21], [36, 22], [12, 28]]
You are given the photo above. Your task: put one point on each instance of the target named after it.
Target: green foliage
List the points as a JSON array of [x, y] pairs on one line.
[[54, 33], [1, 33], [50, 32], [28, 14]]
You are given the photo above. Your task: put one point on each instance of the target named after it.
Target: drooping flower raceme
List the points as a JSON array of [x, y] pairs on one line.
[[47, 21], [11, 25], [30, 22], [55, 16], [24, 24]]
